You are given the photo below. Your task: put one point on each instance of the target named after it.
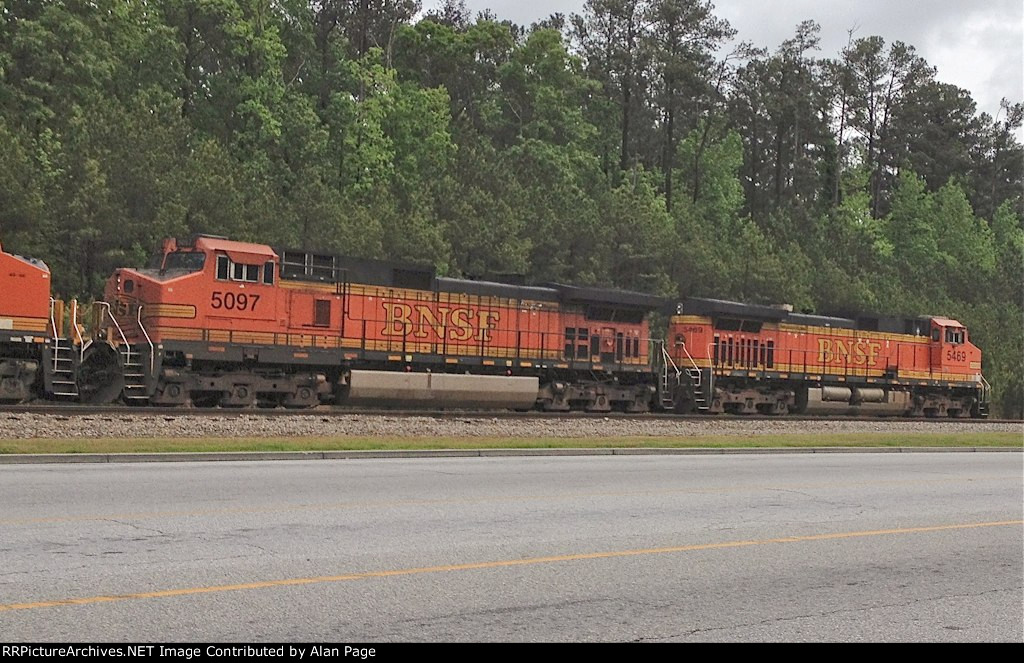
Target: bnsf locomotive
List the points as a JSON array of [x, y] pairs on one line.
[[729, 357], [214, 322]]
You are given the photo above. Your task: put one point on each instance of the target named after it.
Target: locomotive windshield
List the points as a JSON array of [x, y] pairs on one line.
[[186, 261]]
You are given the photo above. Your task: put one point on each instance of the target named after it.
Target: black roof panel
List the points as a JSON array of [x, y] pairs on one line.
[[495, 289], [603, 296], [719, 307]]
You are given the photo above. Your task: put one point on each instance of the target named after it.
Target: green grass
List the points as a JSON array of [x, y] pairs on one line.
[[796, 440]]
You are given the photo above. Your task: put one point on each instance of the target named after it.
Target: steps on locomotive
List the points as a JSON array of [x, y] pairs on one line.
[[669, 381], [60, 380], [699, 399], [667, 403], [135, 388]]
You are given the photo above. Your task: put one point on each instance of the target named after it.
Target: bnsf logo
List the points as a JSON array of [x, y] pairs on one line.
[[453, 324], [124, 307], [836, 351]]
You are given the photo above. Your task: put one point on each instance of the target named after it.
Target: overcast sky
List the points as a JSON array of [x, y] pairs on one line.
[[977, 45]]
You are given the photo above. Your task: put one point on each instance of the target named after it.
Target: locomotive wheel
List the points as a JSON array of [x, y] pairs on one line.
[[304, 396], [100, 377], [16, 380], [170, 394], [241, 395], [683, 401]]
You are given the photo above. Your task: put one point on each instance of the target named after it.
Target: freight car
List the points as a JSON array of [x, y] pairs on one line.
[[730, 357]]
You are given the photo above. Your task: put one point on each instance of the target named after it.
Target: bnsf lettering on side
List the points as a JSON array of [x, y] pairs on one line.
[[837, 351], [419, 321]]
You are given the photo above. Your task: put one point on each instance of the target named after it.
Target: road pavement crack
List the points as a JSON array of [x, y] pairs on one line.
[[133, 525], [826, 613], [817, 498]]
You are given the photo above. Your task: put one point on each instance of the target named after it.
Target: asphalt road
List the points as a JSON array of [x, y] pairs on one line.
[[848, 547]]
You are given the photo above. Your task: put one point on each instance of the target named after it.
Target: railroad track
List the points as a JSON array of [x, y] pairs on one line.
[[337, 411]]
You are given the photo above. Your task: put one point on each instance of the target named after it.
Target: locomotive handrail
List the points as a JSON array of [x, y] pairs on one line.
[[692, 362], [711, 371], [666, 362], [667, 356], [56, 334], [106, 309], [986, 389], [78, 332], [145, 333], [53, 322]]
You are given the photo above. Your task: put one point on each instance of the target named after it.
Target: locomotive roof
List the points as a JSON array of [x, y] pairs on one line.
[[496, 289], [918, 326], [812, 320], [323, 267], [245, 252], [35, 262], [618, 298], [715, 307]]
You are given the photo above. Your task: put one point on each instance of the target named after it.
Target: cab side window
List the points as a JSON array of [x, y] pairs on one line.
[[236, 271], [241, 272]]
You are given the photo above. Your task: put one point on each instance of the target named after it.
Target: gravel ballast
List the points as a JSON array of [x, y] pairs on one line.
[[38, 426]]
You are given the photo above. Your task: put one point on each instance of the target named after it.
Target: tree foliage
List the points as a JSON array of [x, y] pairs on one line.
[[618, 147]]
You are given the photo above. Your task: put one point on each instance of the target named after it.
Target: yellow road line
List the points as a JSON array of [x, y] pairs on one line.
[[747, 488], [290, 582]]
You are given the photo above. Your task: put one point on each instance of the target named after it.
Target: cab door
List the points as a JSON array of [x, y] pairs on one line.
[[607, 345], [937, 346]]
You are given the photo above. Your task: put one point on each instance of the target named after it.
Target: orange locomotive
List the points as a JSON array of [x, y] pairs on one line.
[[24, 322], [730, 357], [218, 322], [35, 357]]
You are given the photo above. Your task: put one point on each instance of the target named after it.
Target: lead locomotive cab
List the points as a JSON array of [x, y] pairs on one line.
[[952, 350], [207, 283]]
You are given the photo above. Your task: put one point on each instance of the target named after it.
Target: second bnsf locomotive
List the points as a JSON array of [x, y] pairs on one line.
[[214, 322], [730, 357]]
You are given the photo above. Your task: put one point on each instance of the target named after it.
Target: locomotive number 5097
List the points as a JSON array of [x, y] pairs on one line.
[[234, 302]]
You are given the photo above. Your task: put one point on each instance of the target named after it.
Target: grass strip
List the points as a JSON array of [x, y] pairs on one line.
[[342, 443]]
